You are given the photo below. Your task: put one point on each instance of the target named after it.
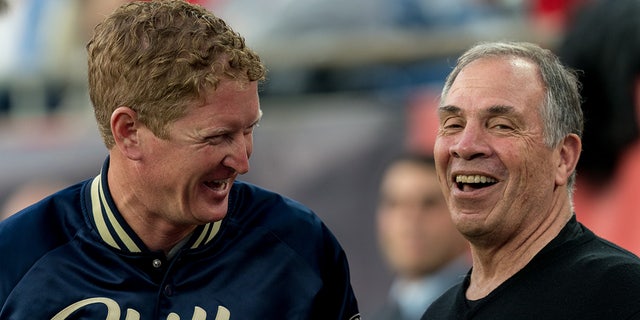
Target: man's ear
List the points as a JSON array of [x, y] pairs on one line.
[[569, 152], [125, 128]]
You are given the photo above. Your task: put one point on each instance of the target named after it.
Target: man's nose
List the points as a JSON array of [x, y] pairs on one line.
[[471, 142], [238, 155]]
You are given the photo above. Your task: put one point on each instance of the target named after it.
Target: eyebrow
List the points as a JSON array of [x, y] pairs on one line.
[[449, 109], [493, 110], [500, 110]]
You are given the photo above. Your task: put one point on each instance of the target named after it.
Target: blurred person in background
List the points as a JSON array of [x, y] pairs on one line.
[[603, 43], [417, 237], [165, 231], [508, 145]]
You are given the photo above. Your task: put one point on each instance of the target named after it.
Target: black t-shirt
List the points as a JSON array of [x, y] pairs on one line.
[[576, 276]]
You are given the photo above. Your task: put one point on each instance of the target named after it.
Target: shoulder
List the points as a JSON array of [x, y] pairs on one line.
[[264, 217], [605, 273], [31, 233], [248, 201], [583, 255], [578, 248], [601, 254], [262, 213], [611, 262], [287, 219], [50, 217]]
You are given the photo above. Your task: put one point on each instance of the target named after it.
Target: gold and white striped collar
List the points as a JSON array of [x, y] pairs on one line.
[[114, 230]]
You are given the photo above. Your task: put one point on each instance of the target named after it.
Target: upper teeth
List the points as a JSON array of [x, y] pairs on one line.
[[474, 179]]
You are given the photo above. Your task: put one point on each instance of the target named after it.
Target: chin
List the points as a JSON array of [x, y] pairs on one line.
[[217, 216], [210, 214]]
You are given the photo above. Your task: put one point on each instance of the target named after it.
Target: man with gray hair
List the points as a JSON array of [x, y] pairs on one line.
[[508, 143]]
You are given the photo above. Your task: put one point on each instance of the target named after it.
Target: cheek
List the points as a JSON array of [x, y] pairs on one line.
[[207, 156], [441, 158], [385, 222], [389, 226], [539, 164], [440, 149], [160, 160], [384, 230], [433, 220]]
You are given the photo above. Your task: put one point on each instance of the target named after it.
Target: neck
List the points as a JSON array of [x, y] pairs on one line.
[[155, 231], [495, 263]]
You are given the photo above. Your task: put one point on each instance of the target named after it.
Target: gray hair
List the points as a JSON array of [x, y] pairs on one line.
[[561, 112]]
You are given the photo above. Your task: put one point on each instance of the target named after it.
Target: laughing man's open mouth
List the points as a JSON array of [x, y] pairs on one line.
[[473, 182], [216, 185]]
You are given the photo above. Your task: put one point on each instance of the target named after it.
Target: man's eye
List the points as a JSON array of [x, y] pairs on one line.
[[452, 124], [217, 139], [502, 126]]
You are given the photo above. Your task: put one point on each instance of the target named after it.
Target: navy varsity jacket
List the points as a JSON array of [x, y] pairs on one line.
[[72, 256]]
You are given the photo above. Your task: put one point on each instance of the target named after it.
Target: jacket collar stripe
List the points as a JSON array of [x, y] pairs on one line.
[[96, 209], [214, 230], [109, 227], [211, 229], [124, 237], [201, 236]]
